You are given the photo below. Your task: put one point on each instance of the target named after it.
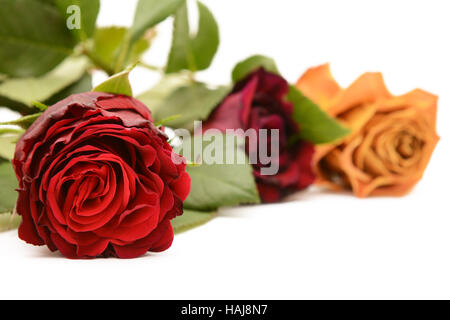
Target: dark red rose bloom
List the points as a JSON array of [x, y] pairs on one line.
[[96, 179], [259, 102]]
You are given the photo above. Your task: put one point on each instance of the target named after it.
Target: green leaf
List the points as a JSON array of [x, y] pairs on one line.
[[155, 96], [29, 90], [181, 55], [84, 84], [9, 221], [193, 52], [218, 185], [33, 36], [7, 146], [17, 106], [117, 84], [25, 122], [316, 125], [41, 106], [191, 219], [8, 186], [89, 10], [193, 102], [108, 43], [6, 130], [149, 13], [167, 120], [8, 139], [244, 68], [206, 42]]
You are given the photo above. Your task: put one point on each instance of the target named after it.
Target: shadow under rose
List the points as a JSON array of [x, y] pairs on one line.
[[44, 252]]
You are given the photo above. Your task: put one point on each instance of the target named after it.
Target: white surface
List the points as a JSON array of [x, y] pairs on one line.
[[319, 244]]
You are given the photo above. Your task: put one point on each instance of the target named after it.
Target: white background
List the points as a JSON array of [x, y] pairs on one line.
[[316, 244]]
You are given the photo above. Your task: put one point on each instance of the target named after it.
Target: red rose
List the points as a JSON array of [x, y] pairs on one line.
[[259, 102], [96, 179]]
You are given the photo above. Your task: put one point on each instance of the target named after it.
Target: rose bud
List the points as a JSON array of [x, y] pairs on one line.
[[96, 179], [259, 102], [392, 140]]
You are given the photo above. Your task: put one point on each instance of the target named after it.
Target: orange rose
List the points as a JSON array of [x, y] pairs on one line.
[[392, 137]]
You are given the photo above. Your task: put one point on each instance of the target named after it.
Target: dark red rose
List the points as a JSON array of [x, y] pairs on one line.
[[96, 179], [259, 102]]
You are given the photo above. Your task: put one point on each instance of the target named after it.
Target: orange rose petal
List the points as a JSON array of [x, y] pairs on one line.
[[393, 136], [365, 190], [347, 165], [396, 190], [322, 151], [374, 165], [356, 119], [366, 89], [319, 85], [417, 99]]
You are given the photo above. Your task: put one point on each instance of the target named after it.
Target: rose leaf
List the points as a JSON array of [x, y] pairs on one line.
[[117, 84], [149, 13], [34, 38], [193, 102], [107, 44], [191, 219], [89, 10], [84, 84], [25, 122], [28, 90], [154, 97], [315, 124], [8, 139], [8, 186], [193, 52], [247, 66], [218, 184]]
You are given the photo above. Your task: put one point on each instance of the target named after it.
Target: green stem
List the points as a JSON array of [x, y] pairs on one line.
[[123, 54], [191, 76], [151, 67], [97, 62]]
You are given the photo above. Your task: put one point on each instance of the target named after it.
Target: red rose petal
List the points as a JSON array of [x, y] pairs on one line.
[[96, 179]]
